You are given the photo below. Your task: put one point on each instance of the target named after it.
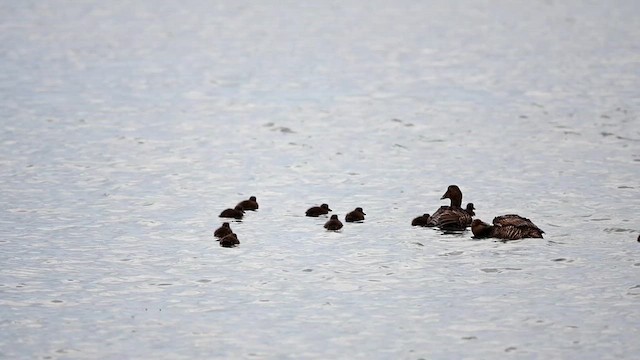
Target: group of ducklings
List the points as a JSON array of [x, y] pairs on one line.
[[452, 217]]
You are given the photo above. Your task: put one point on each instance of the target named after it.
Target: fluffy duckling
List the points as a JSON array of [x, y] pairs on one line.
[[318, 210], [421, 220], [356, 215], [223, 231], [235, 213], [251, 204], [231, 240], [333, 224]]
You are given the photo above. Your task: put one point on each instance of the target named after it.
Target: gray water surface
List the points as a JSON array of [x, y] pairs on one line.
[[128, 127]]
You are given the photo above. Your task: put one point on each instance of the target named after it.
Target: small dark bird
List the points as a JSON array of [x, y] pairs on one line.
[[236, 213], [318, 210], [223, 231], [421, 220], [470, 209], [451, 217], [230, 240], [355, 215], [250, 204], [333, 224], [506, 227]]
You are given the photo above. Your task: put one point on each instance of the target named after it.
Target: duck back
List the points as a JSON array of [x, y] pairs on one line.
[[514, 227]]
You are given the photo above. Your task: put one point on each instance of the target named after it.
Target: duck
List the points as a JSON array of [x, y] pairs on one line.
[[318, 210], [506, 227], [469, 209], [356, 215], [452, 217], [223, 231], [251, 204], [421, 220], [235, 213], [231, 240], [333, 224]]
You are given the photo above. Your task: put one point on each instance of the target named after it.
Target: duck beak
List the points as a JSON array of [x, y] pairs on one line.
[[329, 209], [445, 196]]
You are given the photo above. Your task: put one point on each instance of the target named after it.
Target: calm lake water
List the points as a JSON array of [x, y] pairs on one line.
[[128, 126]]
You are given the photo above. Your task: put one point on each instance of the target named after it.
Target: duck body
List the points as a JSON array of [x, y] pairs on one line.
[[318, 210], [421, 220], [230, 240], [356, 215], [250, 204], [333, 224], [223, 231], [452, 217], [506, 227], [235, 213]]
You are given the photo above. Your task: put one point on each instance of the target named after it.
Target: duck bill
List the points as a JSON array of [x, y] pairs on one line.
[[445, 196]]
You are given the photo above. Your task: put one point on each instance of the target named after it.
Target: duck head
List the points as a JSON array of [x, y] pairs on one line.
[[470, 209], [454, 194], [359, 209], [326, 207], [480, 228]]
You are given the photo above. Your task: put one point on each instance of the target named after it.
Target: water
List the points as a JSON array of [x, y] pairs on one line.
[[128, 127]]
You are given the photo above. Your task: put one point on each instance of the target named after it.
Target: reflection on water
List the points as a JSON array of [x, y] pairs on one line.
[[129, 127]]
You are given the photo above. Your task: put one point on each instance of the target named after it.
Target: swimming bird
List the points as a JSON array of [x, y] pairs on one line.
[[318, 210], [421, 220], [506, 227], [333, 224], [236, 213], [223, 231], [469, 209], [356, 215], [230, 240], [251, 204], [452, 217]]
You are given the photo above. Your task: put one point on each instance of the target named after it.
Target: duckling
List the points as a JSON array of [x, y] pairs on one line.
[[421, 220], [236, 213], [469, 209], [333, 224], [251, 204], [451, 217], [318, 210], [223, 231], [231, 240], [356, 215]]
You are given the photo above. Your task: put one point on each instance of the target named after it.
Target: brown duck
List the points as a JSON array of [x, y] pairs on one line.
[[333, 224], [421, 220], [356, 215], [223, 230], [230, 240], [452, 217], [318, 210], [251, 204], [235, 213], [506, 227]]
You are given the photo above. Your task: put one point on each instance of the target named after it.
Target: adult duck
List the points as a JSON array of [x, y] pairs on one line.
[[452, 217], [506, 227]]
